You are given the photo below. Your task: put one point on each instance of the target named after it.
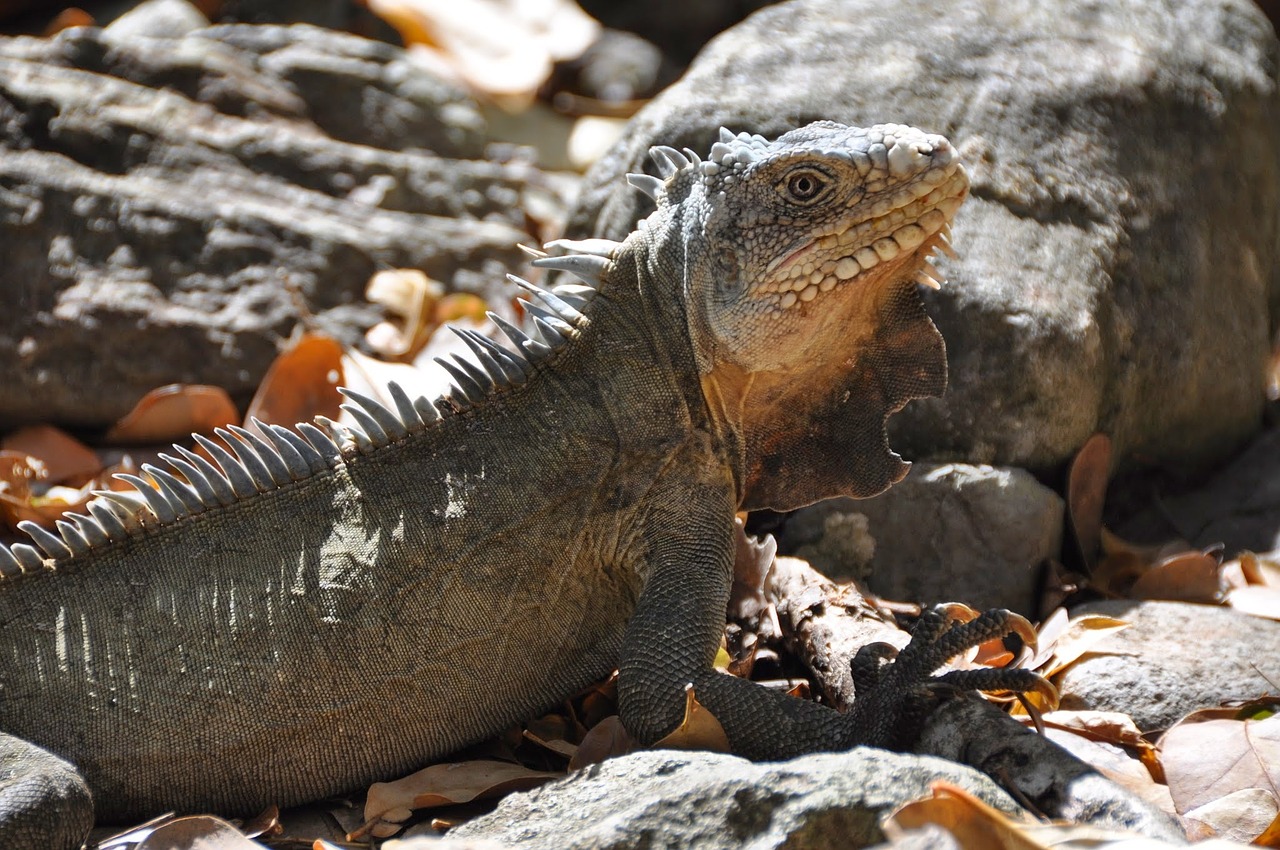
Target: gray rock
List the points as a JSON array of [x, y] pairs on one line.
[[1119, 252], [1239, 507], [702, 801], [1172, 660], [950, 532], [169, 212], [158, 19]]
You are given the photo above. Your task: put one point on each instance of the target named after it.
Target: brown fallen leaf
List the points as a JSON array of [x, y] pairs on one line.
[[1123, 563], [605, 740], [699, 730], [973, 823], [1113, 762], [1184, 577], [1210, 754], [65, 458], [1062, 642], [301, 383], [389, 804], [172, 413], [1242, 815], [200, 832], [1086, 492]]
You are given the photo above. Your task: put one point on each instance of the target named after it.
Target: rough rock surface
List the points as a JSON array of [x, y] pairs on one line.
[[1120, 252], [1172, 660], [950, 532], [1239, 507], [171, 208], [703, 801]]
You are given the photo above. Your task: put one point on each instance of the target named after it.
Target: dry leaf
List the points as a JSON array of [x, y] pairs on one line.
[[197, 832], [1185, 577], [1123, 562], [1112, 727], [64, 457], [1239, 816], [605, 740], [172, 413], [1270, 836], [1114, 763], [1207, 756], [699, 730], [1086, 493], [301, 383], [411, 297], [67, 19], [502, 48], [366, 375], [390, 803], [973, 823], [1256, 600], [19, 472], [1259, 569], [1081, 635]]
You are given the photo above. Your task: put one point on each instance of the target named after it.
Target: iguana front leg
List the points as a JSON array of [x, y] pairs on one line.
[[673, 635], [672, 639]]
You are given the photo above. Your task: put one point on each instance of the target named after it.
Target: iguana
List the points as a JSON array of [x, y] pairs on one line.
[[331, 605]]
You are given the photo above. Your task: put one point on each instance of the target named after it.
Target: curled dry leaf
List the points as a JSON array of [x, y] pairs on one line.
[[1123, 563], [605, 740], [302, 383], [971, 822], [1086, 493], [391, 803], [1184, 577], [65, 459], [172, 413], [410, 297], [974, 825], [501, 48], [26, 494], [205, 832], [1257, 591], [1112, 761], [1081, 635], [699, 730]]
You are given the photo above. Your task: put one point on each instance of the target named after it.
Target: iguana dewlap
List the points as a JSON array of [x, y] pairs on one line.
[[330, 606]]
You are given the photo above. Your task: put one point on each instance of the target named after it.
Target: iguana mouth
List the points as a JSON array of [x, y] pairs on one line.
[[877, 243]]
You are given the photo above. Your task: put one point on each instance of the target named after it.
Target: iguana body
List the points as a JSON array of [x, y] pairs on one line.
[[424, 588]]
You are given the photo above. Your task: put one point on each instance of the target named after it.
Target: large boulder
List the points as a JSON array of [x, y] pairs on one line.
[[1119, 254], [946, 533], [172, 208], [708, 801]]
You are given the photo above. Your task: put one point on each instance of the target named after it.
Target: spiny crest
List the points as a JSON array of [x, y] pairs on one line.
[[248, 462], [731, 152]]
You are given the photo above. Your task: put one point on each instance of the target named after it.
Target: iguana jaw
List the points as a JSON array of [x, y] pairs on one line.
[[808, 329]]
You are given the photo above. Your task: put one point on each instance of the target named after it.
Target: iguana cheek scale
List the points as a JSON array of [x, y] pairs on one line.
[[323, 607]]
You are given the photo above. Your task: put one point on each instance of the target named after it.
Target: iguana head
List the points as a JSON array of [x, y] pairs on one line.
[[801, 260]]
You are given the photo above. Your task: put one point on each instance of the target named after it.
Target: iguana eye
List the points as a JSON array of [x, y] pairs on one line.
[[804, 185]]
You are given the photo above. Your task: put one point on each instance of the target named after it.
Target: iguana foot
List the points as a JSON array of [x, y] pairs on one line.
[[44, 802], [895, 690]]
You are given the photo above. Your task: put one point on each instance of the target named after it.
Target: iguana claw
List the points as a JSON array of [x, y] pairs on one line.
[[894, 698]]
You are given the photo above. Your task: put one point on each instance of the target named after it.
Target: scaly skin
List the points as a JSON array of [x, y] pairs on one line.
[[425, 590]]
